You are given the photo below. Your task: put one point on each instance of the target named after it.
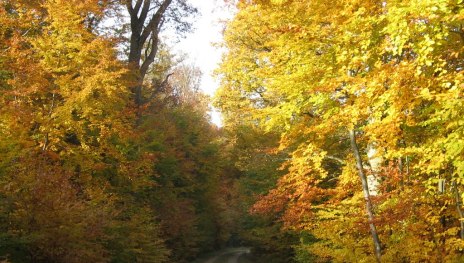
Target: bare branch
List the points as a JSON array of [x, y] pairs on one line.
[[129, 7], [145, 9], [137, 5], [160, 87], [154, 21], [151, 56]]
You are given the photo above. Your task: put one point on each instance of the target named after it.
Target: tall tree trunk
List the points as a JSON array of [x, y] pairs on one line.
[[144, 39], [369, 208]]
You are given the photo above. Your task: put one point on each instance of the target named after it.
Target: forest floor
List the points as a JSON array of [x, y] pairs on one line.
[[228, 255]]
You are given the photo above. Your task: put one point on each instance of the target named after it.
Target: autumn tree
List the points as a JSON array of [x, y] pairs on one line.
[[147, 19], [63, 126], [374, 75]]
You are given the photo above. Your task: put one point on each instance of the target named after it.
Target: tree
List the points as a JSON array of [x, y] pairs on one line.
[[147, 19], [63, 127], [313, 74]]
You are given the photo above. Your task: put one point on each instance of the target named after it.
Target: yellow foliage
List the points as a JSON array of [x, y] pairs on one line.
[[312, 70]]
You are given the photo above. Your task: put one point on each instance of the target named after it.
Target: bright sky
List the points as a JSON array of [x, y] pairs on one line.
[[199, 44]]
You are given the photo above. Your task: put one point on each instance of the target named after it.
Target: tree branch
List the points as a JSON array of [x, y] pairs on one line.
[[154, 21], [151, 56], [137, 6], [129, 7], [341, 161], [160, 87], [144, 13]]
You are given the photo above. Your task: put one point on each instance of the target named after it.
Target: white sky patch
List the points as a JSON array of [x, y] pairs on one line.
[[199, 45]]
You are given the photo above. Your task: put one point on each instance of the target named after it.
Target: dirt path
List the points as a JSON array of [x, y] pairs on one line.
[[229, 255]]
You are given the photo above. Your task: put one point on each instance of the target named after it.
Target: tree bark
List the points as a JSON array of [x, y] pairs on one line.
[[375, 161], [369, 207]]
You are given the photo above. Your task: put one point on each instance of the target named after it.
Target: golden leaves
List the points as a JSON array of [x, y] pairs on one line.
[[394, 69]]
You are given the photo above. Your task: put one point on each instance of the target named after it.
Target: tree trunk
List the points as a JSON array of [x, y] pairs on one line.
[[369, 208], [375, 162], [144, 39]]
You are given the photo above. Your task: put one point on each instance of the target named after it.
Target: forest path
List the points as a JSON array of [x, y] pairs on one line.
[[228, 255]]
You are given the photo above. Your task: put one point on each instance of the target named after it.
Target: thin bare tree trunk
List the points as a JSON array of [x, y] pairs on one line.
[[369, 207]]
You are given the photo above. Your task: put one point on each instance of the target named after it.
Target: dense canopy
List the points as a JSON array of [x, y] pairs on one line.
[[343, 137], [366, 99]]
